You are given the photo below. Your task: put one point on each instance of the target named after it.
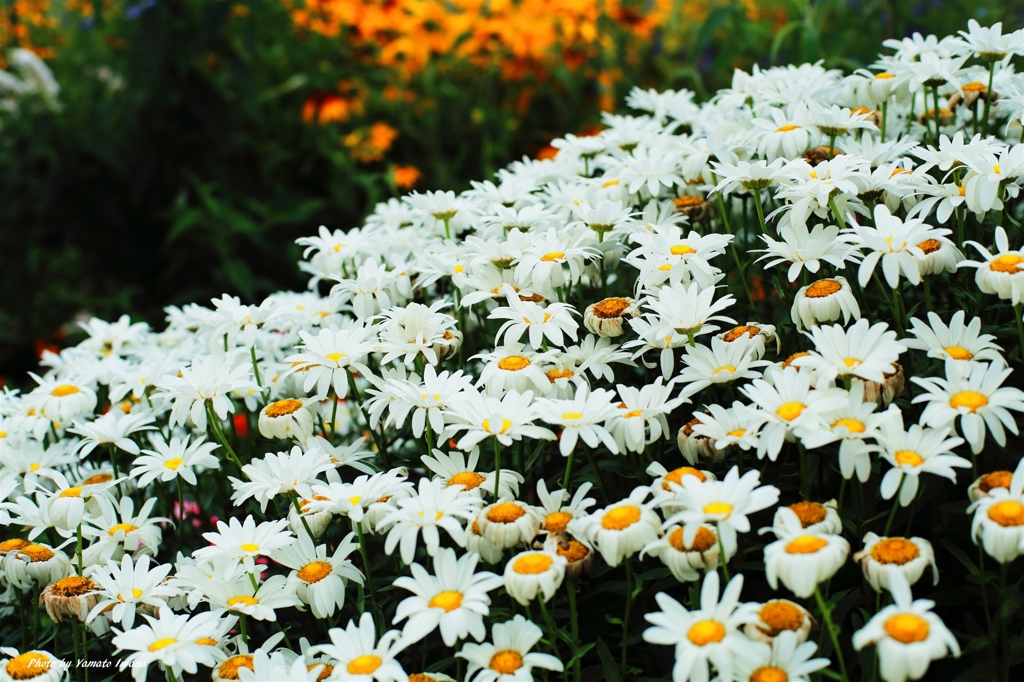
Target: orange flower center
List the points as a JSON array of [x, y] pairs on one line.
[[907, 628], [809, 513], [676, 476], [789, 361], [611, 307], [996, 479], [702, 542], [1006, 263], [506, 662], [791, 410], [769, 674], [908, 457], [505, 512], [93, 480], [573, 551], [621, 517], [958, 353], [706, 632], [229, 668], [314, 572], [1007, 513], [930, 246], [37, 552], [805, 544], [73, 586], [513, 363], [555, 374], [972, 400], [556, 522], [281, 408], [852, 425], [449, 601], [737, 332], [532, 564], [469, 479], [121, 527], [780, 615], [28, 665], [364, 665], [894, 551], [64, 390], [823, 288], [13, 544]]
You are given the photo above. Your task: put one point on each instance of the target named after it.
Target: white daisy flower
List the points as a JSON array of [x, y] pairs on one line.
[[895, 243], [776, 617], [814, 517], [38, 665], [801, 249], [454, 599], [785, 659], [209, 380], [530, 573], [240, 595], [1001, 274], [280, 473], [287, 418], [824, 301], [955, 341], [128, 587], [622, 529], [327, 358], [552, 323], [61, 402], [508, 523], [244, 541], [279, 666], [360, 656], [883, 556], [690, 309], [111, 429], [454, 468], [907, 634], [555, 512], [512, 368], [972, 392], [168, 640], [582, 417], [913, 452], [319, 579], [115, 529], [641, 419], [999, 519], [435, 507], [169, 460], [851, 424], [722, 363], [686, 560], [508, 658], [801, 557], [506, 420], [706, 635]]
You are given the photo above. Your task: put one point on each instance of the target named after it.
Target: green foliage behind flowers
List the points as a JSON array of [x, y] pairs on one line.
[[175, 164]]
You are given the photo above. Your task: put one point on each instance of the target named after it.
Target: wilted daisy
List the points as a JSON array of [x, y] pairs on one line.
[[701, 637], [814, 517], [883, 556], [360, 656], [802, 557], [907, 634], [607, 317], [777, 616], [824, 301], [974, 393], [35, 563], [73, 596], [287, 418], [508, 658]]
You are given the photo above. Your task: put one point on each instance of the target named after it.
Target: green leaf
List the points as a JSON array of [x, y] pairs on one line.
[[608, 664]]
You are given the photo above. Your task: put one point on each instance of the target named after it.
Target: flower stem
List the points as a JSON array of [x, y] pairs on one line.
[[723, 558], [298, 509], [935, 99], [568, 471], [241, 625], [170, 671], [832, 631], [895, 506], [988, 93], [625, 617], [378, 441], [552, 628], [760, 210], [378, 615], [574, 629], [256, 370], [1004, 642], [78, 551], [805, 480], [497, 467], [836, 213], [885, 117], [334, 418], [1020, 327], [181, 515], [219, 436]]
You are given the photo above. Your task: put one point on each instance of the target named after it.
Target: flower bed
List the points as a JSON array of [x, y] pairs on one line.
[[528, 431]]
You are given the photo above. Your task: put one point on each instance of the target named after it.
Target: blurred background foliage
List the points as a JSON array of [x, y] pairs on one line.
[[193, 140]]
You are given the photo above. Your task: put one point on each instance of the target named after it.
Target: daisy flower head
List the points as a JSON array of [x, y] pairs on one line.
[[286, 418], [986, 483], [1001, 274], [327, 358], [907, 634], [999, 519], [694, 446], [725, 503], [972, 392], [206, 384], [557, 510], [915, 451], [622, 529], [37, 665], [179, 457], [801, 557], [508, 523], [785, 659], [35, 563], [111, 429], [552, 323], [513, 368], [607, 317], [690, 309], [725, 427], [865, 350], [455, 468], [244, 541], [896, 244], [852, 424], [508, 658], [453, 599], [814, 517], [319, 579], [955, 341], [777, 616], [279, 666], [129, 587], [708, 635], [242, 594], [435, 507], [722, 363], [883, 556], [641, 419], [61, 401], [280, 473], [824, 301], [170, 641], [801, 248], [686, 560], [360, 657], [582, 417], [507, 419], [530, 573], [757, 334]]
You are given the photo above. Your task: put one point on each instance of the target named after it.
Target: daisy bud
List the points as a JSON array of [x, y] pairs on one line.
[[881, 557], [508, 523], [288, 418]]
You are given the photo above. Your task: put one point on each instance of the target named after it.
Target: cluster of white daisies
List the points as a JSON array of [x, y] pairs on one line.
[[465, 370]]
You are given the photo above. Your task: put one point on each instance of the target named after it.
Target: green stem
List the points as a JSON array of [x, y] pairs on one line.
[[497, 467], [256, 368], [447, 228], [1004, 617], [885, 117], [574, 629], [988, 93], [723, 558], [625, 617], [895, 506], [378, 441], [832, 631], [760, 210], [170, 671], [378, 615], [219, 436], [835, 212], [241, 625], [898, 310], [181, 514], [74, 643], [805, 480], [831, 146], [568, 470], [552, 628], [334, 418], [298, 509], [927, 294], [935, 99], [1020, 327], [78, 551]]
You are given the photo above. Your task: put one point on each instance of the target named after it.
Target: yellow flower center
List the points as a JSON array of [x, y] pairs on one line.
[[725, 368], [513, 363], [505, 512], [555, 374], [281, 408], [791, 410], [809, 513], [173, 463], [706, 632], [162, 643], [92, 480], [805, 544], [506, 662], [37, 553], [1007, 263], [894, 551], [557, 522], [769, 674], [884, 75], [505, 424], [573, 551], [780, 615], [326, 671], [852, 425], [676, 476], [738, 332], [907, 628], [206, 641], [851, 362], [681, 250], [908, 457], [449, 601], [972, 400], [958, 353], [788, 362], [618, 518], [469, 479], [243, 599], [722, 509], [13, 545], [249, 547], [611, 307], [532, 564], [823, 288], [930, 246], [74, 491], [702, 542], [553, 256], [229, 668], [64, 390], [121, 528], [786, 128], [737, 433], [1007, 513], [572, 415], [334, 357], [314, 572], [28, 665]]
